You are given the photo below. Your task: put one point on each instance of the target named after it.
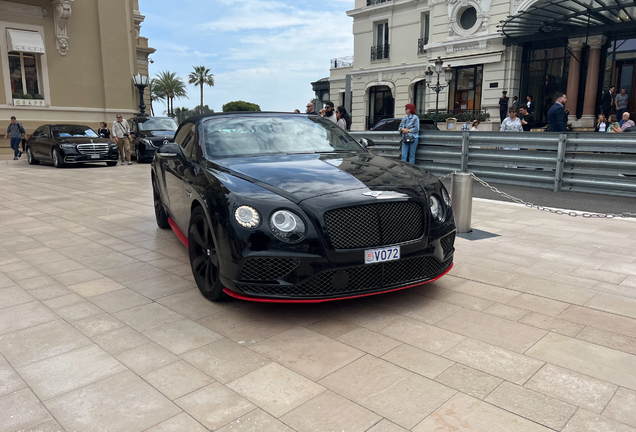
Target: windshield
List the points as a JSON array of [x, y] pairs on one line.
[[158, 124], [261, 135], [70, 131]]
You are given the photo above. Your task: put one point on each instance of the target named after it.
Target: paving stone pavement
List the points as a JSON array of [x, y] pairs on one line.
[[103, 329]]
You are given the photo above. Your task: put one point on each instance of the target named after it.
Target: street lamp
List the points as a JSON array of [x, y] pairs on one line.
[[438, 87], [141, 82]]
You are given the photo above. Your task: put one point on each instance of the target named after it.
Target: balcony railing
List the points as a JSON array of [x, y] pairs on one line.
[[375, 2], [380, 52], [421, 45], [341, 62]]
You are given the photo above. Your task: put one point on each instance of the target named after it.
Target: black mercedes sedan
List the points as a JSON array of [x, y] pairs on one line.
[[149, 133], [65, 144], [289, 208]]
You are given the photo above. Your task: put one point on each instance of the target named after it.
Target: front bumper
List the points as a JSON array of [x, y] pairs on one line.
[[311, 279], [71, 157]]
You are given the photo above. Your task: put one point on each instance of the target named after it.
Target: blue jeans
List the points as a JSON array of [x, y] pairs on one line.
[[408, 150], [15, 145]]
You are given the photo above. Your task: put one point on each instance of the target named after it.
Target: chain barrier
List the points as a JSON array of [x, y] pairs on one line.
[[542, 208]]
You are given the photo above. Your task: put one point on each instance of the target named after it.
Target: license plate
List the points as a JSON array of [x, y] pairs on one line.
[[382, 255], [94, 156]]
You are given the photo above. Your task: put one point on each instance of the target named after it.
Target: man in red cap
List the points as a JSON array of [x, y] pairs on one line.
[[410, 130]]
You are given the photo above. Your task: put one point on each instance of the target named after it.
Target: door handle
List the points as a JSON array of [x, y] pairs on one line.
[[189, 193]]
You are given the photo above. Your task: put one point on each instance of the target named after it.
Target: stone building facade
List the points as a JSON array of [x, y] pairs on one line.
[[66, 61], [492, 46]]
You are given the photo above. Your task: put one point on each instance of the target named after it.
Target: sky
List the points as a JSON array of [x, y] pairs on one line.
[[260, 51]]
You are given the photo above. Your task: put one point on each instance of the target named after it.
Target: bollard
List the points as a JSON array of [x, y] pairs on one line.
[[462, 200]]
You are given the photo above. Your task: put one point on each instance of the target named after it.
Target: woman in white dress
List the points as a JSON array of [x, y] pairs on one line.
[[512, 123]]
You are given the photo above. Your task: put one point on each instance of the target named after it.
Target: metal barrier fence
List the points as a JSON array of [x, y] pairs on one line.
[[582, 162]]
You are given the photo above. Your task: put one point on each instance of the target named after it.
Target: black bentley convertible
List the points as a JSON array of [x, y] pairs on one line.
[[289, 208]]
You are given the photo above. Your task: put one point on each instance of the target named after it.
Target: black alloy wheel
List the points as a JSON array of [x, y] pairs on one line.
[[57, 158], [30, 159], [160, 212], [203, 257], [138, 156]]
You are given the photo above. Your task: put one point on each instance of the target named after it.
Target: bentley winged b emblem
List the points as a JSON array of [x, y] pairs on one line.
[[373, 194]]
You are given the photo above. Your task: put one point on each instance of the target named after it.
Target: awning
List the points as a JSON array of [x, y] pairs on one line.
[[25, 41], [570, 17]]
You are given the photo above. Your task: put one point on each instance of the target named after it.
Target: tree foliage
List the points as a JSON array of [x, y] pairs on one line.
[[240, 106], [201, 76], [171, 87]]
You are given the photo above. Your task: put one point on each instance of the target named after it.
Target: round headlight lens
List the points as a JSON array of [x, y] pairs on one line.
[[436, 208], [287, 226], [247, 217], [67, 146], [446, 196]]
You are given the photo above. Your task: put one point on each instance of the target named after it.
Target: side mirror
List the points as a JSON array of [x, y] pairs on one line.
[[367, 142], [169, 151]]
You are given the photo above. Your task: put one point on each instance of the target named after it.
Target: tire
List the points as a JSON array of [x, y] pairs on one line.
[[58, 162], [138, 156], [160, 212], [30, 159], [111, 163], [204, 259]]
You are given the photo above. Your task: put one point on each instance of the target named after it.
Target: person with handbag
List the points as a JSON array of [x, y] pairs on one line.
[[103, 131], [121, 134], [410, 131], [17, 132]]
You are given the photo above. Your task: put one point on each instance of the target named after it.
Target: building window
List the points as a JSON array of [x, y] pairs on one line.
[[24, 76], [423, 41], [419, 97], [465, 90], [468, 18], [381, 50], [381, 105]]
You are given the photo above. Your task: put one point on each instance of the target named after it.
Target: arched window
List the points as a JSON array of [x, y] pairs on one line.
[[381, 105]]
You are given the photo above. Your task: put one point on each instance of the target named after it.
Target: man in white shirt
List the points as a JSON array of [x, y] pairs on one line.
[[330, 113], [121, 133]]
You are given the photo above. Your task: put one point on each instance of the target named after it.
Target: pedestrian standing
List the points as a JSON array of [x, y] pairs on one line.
[[527, 119], [330, 112], [322, 112], [515, 102], [607, 101], [601, 123], [466, 126], [310, 109], [410, 131], [103, 130], [512, 123], [530, 104], [503, 105], [296, 111], [627, 123], [17, 132], [121, 133], [557, 120], [475, 127], [344, 121], [622, 99]]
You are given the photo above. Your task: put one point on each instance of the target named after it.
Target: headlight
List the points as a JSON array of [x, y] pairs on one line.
[[247, 217], [147, 142], [287, 226], [67, 146], [436, 209], [446, 196]]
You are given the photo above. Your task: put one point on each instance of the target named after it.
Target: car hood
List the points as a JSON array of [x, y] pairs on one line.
[[300, 177], [158, 134], [81, 140]]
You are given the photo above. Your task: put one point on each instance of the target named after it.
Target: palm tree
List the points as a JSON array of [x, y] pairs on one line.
[[171, 86], [156, 93], [199, 77]]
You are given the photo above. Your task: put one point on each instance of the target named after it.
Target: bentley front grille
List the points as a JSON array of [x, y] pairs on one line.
[[375, 225]]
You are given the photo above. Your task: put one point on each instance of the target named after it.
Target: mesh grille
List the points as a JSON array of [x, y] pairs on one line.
[[267, 269], [375, 225], [362, 278], [448, 242]]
